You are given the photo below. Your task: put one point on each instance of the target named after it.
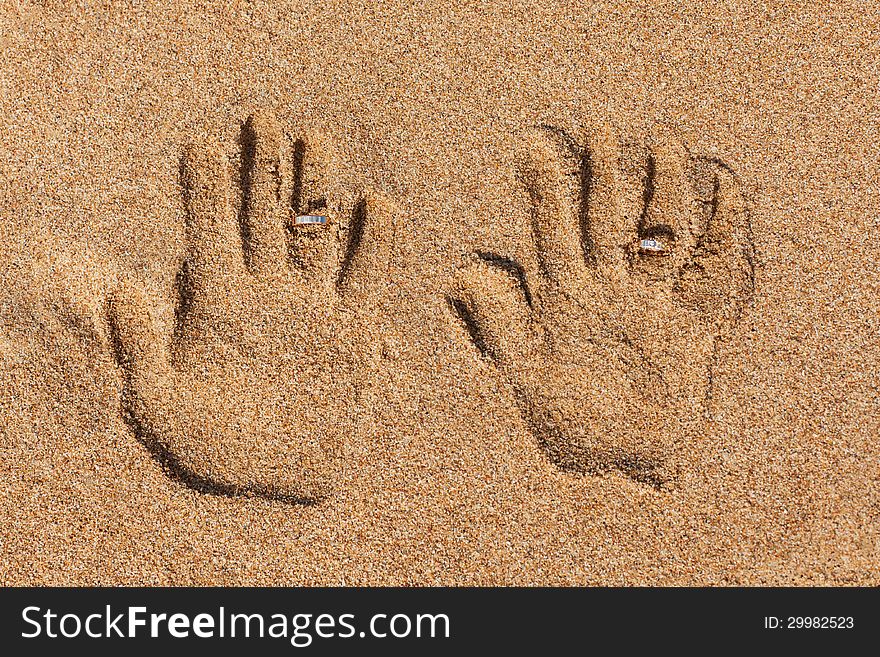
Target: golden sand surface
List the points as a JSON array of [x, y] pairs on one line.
[[595, 299]]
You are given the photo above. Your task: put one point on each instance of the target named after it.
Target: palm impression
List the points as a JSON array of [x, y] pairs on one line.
[[644, 262], [256, 389]]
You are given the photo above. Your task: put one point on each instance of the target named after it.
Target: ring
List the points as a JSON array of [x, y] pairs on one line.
[[654, 246], [309, 219]]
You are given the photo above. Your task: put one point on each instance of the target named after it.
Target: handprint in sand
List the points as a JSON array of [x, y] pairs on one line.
[[273, 339], [644, 262]]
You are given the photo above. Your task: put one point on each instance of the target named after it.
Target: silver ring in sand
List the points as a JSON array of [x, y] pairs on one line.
[[652, 246], [310, 220]]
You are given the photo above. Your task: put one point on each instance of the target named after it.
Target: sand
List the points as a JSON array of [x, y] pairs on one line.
[[473, 373]]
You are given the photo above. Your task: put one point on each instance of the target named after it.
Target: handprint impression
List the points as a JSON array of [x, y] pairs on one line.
[[645, 261], [255, 391]]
